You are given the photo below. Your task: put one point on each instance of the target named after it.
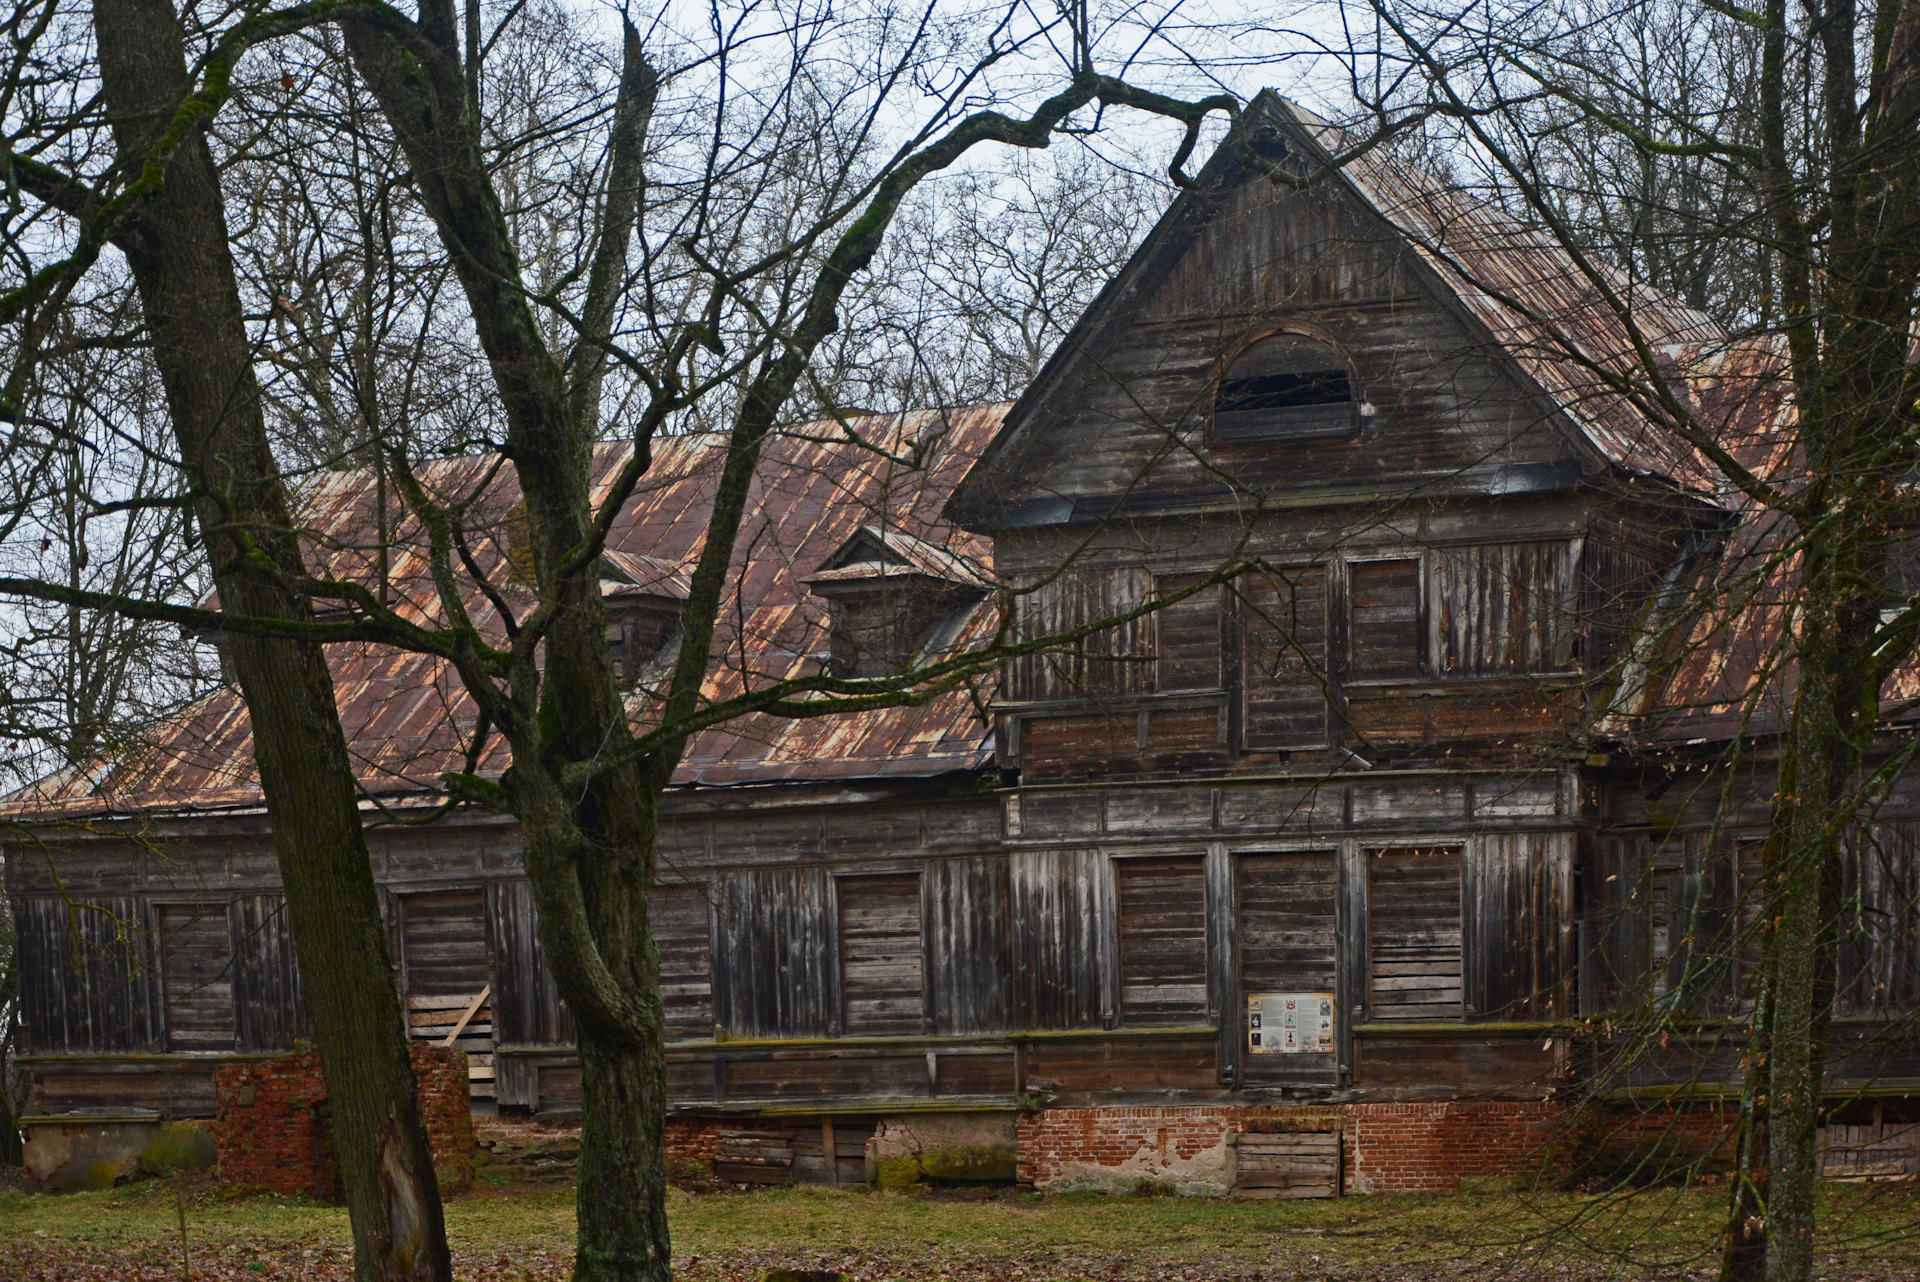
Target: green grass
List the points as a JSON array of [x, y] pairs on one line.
[[526, 1232]]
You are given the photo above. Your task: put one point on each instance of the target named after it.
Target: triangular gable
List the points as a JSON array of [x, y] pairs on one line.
[[1512, 294]]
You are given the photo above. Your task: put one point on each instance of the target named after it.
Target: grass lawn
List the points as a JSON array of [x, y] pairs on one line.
[[130, 1234]]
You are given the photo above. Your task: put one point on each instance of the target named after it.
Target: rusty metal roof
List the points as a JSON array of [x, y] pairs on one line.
[[407, 716]]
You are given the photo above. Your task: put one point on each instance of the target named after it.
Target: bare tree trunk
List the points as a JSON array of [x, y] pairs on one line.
[[177, 248]]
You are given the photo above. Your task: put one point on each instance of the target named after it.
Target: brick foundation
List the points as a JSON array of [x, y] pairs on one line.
[[270, 1130], [1390, 1148]]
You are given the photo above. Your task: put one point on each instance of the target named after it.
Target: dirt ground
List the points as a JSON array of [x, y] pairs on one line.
[[516, 1224]]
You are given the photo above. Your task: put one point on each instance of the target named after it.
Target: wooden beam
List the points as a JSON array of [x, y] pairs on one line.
[[473, 1008]]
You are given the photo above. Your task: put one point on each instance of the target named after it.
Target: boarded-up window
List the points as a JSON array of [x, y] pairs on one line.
[[267, 999], [1502, 608], [443, 943], [1284, 939], [1284, 659], [1113, 661], [1190, 649], [682, 932], [882, 969], [1413, 934], [1384, 632], [1163, 939], [84, 971], [196, 976]]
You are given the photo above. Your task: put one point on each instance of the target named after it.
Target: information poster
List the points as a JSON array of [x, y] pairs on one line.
[[1290, 1023]]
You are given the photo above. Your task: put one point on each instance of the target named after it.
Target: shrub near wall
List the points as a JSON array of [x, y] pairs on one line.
[[270, 1130]]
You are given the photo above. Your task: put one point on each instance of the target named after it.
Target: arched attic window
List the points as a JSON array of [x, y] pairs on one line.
[[1285, 388]]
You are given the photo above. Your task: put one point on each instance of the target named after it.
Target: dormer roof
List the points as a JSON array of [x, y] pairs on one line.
[[875, 554]]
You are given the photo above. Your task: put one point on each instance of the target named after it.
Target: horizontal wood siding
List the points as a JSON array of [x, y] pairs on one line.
[[443, 943], [196, 976], [271, 1009], [966, 916], [775, 969], [1285, 941], [882, 955], [1518, 928], [1502, 608], [1162, 905], [683, 932], [1060, 906], [527, 1008], [1118, 660], [1414, 934], [1283, 646], [1383, 637], [1190, 636]]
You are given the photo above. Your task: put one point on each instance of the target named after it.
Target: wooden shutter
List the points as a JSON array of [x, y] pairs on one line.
[[1163, 939], [1284, 659], [682, 931], [196, 976], [1059, 902], [1384, 633], [1880, 920], [774, 970], [268, 1003], [882, 967], [967, 927], [1413, 934], [1189, 637]]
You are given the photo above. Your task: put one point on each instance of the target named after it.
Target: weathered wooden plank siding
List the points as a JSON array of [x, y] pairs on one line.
[[196, 976], [271, 1011], [87, 968], [1501, 608], [776, 963], [1519, 926], [1880, 921], [683, 932], [1061, 904], [1285, 941], [1162, 919], [882, 954], [527, 1008], [1414, 934], [967, 923], [1283, 674]]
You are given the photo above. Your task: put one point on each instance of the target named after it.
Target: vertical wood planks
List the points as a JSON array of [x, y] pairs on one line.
[[1880, 920], [85, 967], [1190, 640], [1061, 904], [1162, 908], [527, 1008], [1502, 608], [1518, 927], [1118, 660], [966, 915], [775, 973], [1414, 934], [270, 1008]]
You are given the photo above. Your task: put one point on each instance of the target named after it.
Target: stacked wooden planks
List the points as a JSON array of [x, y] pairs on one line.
[[464, 1022], [1295, 1164]]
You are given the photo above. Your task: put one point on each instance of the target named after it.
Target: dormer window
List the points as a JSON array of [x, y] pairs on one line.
[[889, 595], [644, 597], [1287, 387]]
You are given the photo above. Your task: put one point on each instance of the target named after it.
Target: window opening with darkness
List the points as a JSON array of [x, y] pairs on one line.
[[1285, 388]]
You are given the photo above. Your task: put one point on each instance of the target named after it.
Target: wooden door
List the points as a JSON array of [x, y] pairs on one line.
[[882, 955], [1285, 946]]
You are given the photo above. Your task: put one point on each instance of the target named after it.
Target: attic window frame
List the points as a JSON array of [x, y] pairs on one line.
[[1313, 420]]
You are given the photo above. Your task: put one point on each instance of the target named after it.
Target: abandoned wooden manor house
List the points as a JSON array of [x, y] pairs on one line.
[[1316, 882]]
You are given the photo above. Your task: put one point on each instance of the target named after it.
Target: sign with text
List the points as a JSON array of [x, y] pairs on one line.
[[1290, 1023]]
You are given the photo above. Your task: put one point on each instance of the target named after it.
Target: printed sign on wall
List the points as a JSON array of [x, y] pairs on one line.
[[1290, 1023]]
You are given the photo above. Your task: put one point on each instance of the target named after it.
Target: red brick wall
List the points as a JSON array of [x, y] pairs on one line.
[[270, 1131], [1390, 1148]]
